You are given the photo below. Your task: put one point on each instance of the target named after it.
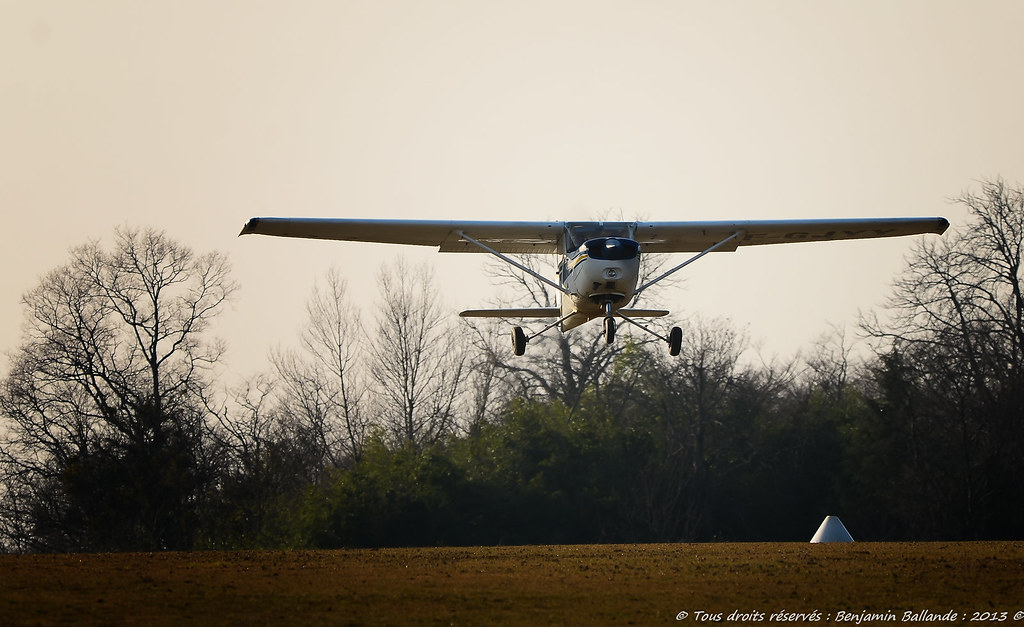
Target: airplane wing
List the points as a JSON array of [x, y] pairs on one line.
[[544, 237], [674, 237], [505, 237]]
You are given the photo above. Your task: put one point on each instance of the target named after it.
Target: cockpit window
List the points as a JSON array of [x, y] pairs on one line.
[[580, 232], [612, 248]]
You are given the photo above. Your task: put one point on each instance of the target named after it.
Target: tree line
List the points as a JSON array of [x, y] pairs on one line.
[[410, 428]]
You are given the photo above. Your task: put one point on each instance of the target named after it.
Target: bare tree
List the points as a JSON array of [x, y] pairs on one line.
[[321, 392], [829, 366], [488, 386], [246, 430], [706, 371], [246, 434], [104, 441], [957, 316], [418, 361], [685, 406]]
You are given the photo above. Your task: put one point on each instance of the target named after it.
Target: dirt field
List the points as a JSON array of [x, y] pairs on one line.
[[604, 584]]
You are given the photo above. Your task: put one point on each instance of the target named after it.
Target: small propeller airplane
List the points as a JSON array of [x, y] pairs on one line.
[[599, 272]]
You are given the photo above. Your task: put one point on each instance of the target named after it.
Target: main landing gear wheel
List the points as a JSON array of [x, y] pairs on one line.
[[675, 341], [518, 341], [609, 330]]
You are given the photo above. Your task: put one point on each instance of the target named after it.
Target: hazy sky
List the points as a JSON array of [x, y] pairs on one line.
[[193, 116]]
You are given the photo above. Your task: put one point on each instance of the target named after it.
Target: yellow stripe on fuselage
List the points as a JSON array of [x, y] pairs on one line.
[[577, 260]]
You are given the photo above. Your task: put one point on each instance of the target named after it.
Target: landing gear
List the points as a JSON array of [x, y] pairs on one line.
[[518, 341], [599, 285], [609, 330], [609, 323], [675, 341]]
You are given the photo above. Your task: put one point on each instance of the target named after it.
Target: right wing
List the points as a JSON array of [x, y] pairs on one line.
[[504, 237]]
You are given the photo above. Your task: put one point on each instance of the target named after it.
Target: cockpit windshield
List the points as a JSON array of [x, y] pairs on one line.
[[612, 248], [580, 232]]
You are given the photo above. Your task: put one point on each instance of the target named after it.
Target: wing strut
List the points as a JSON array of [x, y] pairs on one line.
[[552, 325], [515, 263], [712, 248], [638, 325]]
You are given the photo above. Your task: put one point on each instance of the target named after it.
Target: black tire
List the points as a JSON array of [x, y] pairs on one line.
[[675, 341], [609, 330], [518, 341]]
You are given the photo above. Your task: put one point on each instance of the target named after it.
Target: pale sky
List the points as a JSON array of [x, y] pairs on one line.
[[192, 116]]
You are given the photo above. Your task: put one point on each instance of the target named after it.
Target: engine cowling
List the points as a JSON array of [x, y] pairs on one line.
[[603, 270]]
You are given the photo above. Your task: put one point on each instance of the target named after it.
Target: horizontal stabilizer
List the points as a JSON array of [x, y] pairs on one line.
[[536, 312], [552, 312], [644, 313]]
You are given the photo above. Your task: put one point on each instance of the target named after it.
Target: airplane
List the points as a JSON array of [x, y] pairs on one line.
[[599, 271]]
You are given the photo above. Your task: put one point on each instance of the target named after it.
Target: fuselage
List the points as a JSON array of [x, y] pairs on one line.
[[599, 273]]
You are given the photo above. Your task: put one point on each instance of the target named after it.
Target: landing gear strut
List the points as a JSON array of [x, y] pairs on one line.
[[609, 324], [520, 339], [674, 339], [609, 330]]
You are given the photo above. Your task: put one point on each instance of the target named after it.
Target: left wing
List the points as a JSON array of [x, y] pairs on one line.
[[678, 237], [504, 237]]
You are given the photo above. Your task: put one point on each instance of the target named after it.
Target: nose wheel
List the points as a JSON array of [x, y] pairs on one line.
[[609, 330], [609, 324]]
